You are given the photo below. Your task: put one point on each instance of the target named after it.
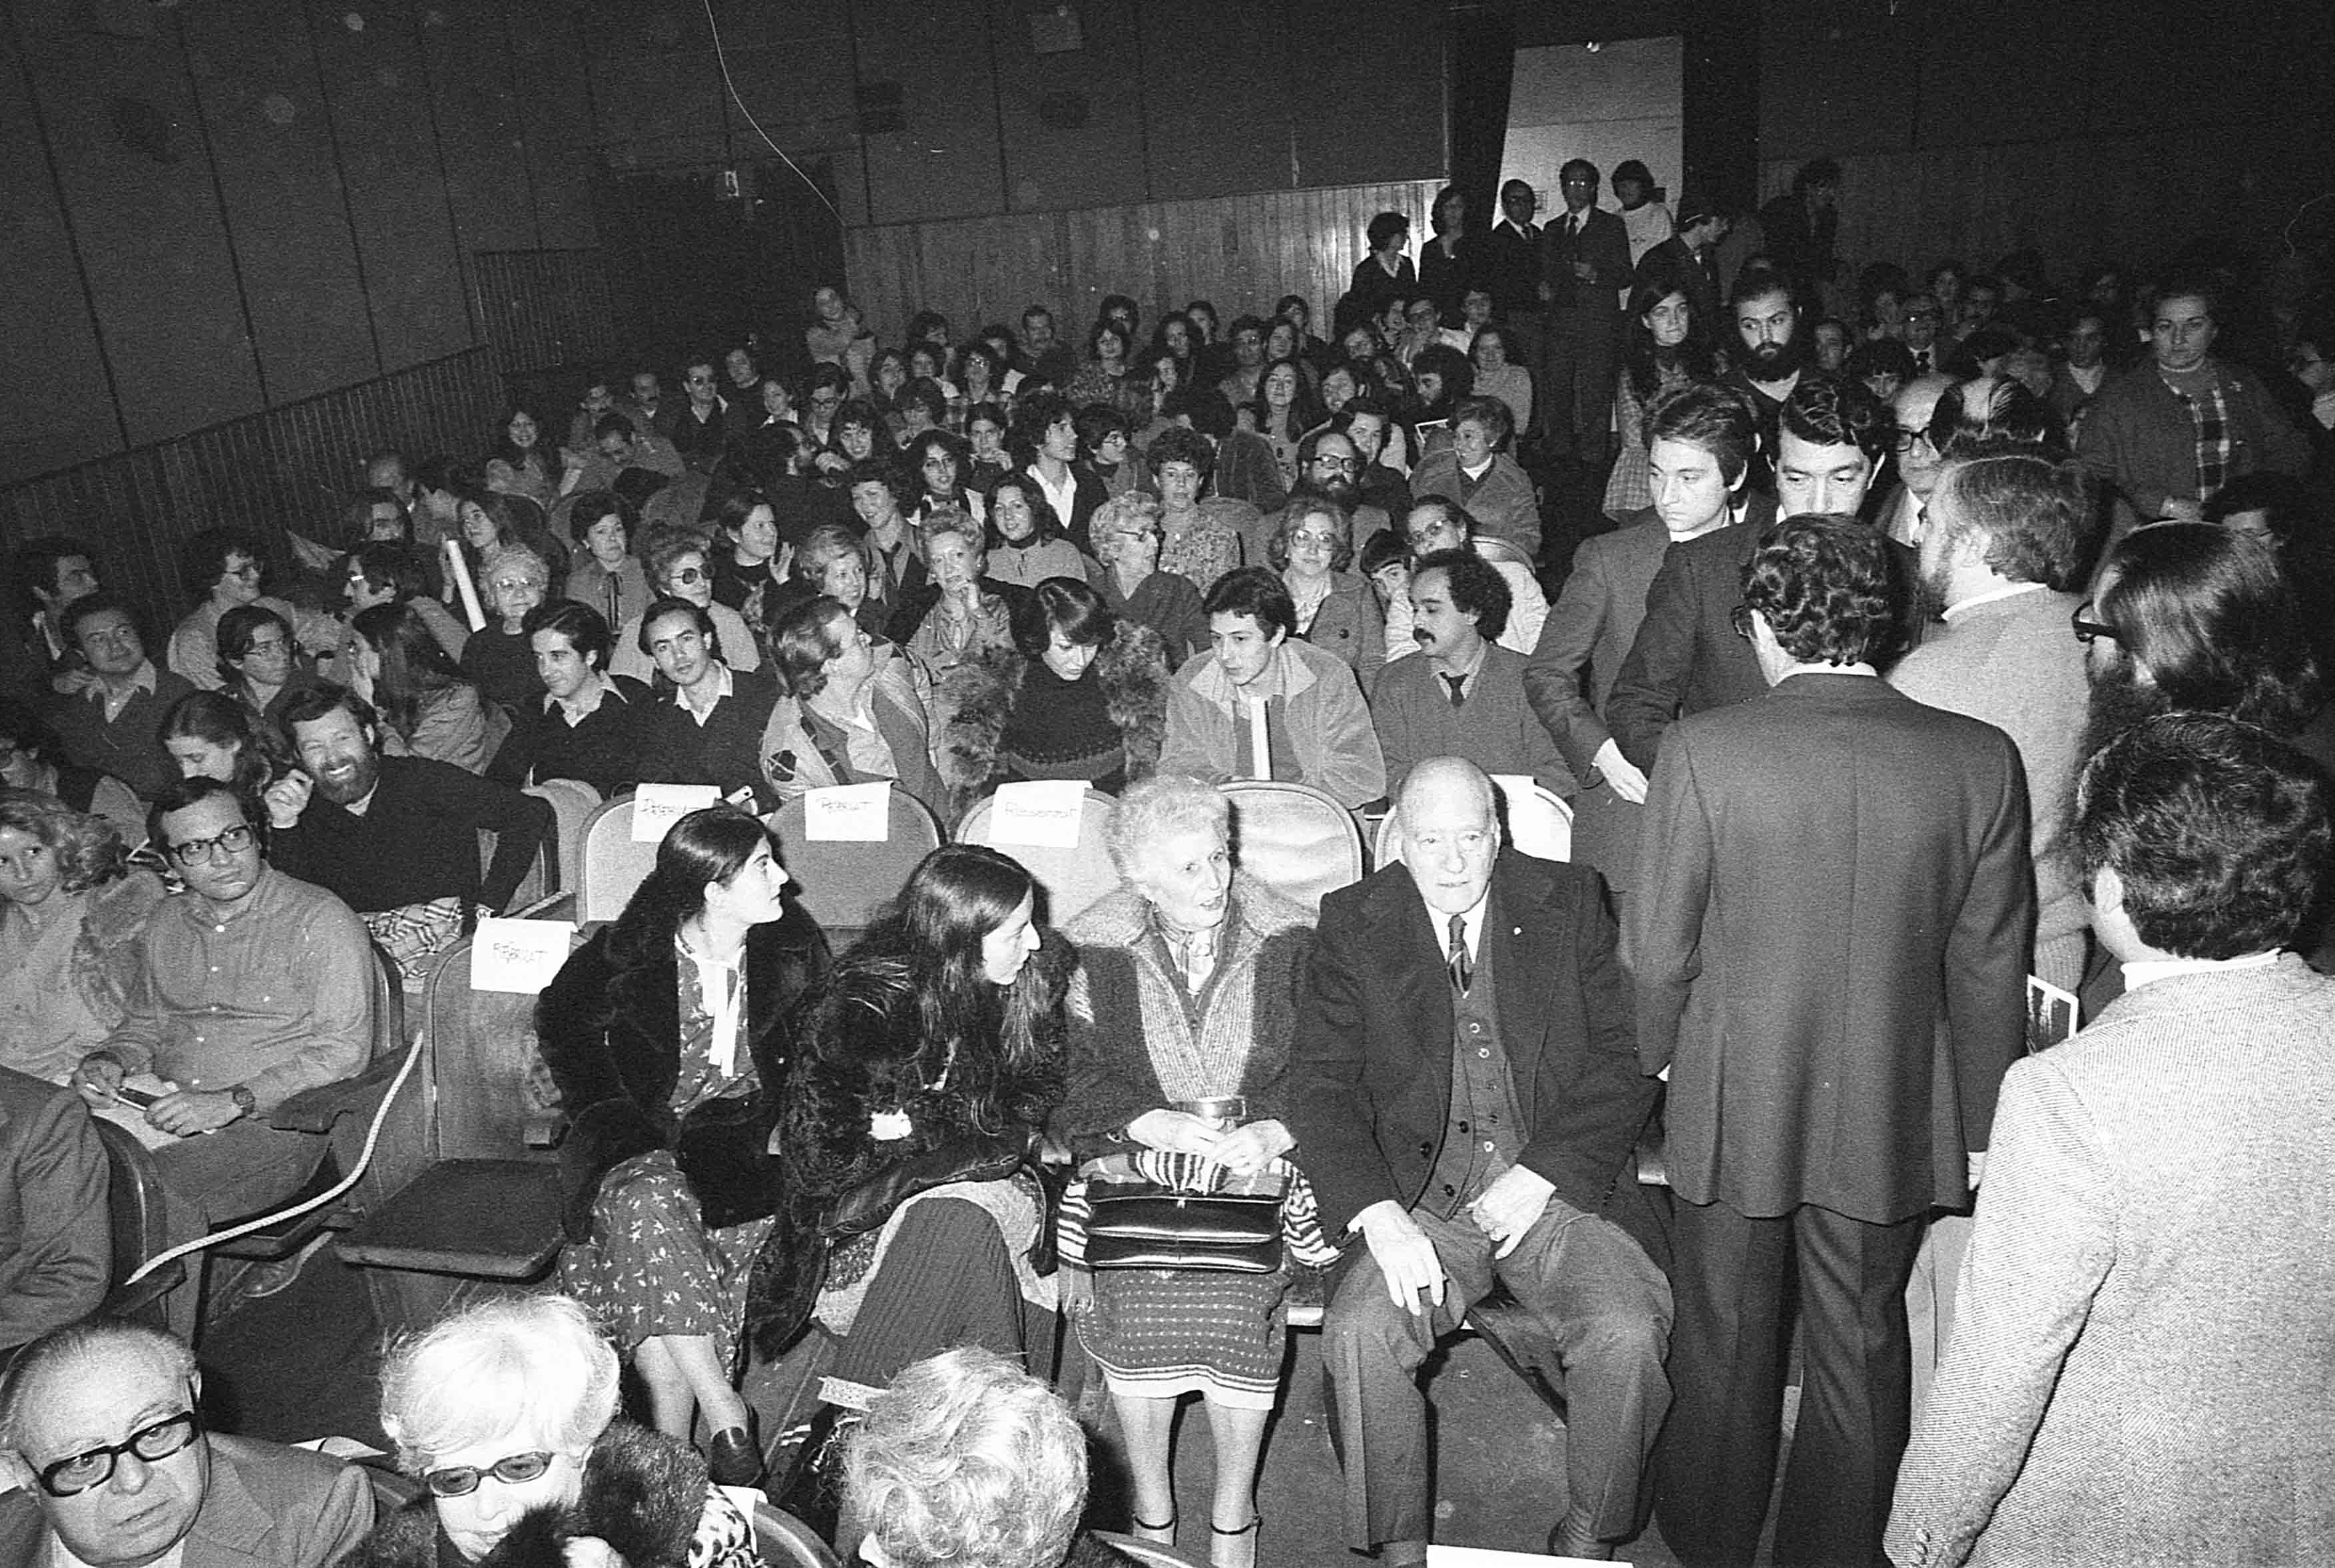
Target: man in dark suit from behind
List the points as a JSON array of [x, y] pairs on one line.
[[1584, 261], [1463, 1089], [1688, 261], [100, 1432], [1829, 937]]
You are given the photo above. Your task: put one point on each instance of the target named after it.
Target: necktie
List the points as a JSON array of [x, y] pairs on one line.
[[1462, 972], [1459, 690]]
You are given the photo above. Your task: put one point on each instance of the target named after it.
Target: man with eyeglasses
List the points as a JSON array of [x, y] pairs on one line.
[[115, 1469], [1329, 468], [252, 987], [696, 426], [230, 565], [1918, 460], [111, 725]]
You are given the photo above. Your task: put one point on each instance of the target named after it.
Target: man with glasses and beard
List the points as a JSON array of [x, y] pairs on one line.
[[100, 1433], [252, 987], [1329, 468], [396, 837]]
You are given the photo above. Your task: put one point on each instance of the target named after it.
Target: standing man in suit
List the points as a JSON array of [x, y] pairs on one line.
[[2140, 1374], [1584, 261], [1699, 441], [1511, 255], [100, 1432], [1463, 1089], [1687, 262], [1830, 937], [1687, 655]]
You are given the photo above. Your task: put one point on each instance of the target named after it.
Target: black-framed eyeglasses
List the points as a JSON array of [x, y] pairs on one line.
[[689, 575], [196, 851], [77, 1473], [1740, 618], [1902, 440], [2089, 631], [514, 1469]]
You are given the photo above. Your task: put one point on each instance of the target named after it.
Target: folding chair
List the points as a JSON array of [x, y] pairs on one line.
[[842, 886], [1074, 880], [1293, 838]]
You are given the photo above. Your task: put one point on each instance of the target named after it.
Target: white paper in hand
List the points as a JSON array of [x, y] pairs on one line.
[[518, 955], [848, 813], [657, 807], [1043, 813]]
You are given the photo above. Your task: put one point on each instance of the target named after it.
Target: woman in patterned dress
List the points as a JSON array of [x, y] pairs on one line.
[[667, 1034], [1185, 994], [507, 1412]]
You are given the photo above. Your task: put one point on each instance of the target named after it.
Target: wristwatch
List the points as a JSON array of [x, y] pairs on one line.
[[246, 1103]]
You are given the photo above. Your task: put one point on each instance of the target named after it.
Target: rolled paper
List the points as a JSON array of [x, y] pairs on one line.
[[458, 571]]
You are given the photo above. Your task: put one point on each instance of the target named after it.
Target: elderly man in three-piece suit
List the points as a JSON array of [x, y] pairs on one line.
[[1830, 937], [1464, 1090]]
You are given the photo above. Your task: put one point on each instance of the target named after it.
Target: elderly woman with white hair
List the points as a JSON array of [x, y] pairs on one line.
[[1181, 1015], [506, 1411], [967, 1461]]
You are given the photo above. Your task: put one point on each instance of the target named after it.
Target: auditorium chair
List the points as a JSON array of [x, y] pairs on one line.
[[1293, 838], [1532, 818], [843, 885], [1074, 880]]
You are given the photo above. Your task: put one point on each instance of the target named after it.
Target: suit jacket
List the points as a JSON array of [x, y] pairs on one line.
[[1673, 264], [1605, 245], [1573, 668], [268, 1506], [2139, 1368], [1369, 1087], [610, 1032], [1511, 269], [1686, 656], [1830, 941], [56, 1242]]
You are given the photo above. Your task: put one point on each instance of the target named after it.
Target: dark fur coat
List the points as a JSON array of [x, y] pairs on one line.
[[980, 694], [860, 1044], [643, 1494]]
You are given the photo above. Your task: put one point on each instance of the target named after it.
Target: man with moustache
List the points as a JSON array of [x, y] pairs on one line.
[[1329, 468], [252, 987], [1439, 523], [1770, 349], [1464, 694], [396, 837]]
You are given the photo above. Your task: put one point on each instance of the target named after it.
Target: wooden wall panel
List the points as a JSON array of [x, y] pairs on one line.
[[272, 147], [128, 146], [1242, 252], [64, 414], [293, 466], [540, 309], [377, 81]]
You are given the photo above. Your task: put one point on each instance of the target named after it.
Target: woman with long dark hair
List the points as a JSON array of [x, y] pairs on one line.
[[210, 735], [1666, 348], [926, 1068], [519, 465], [667, 1034], [426, 706]]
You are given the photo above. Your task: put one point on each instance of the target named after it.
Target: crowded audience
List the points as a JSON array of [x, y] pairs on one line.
[[1902, 641]]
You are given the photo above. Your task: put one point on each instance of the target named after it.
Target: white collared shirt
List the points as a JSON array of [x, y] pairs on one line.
[[722, 689], [1471, 924], [2149, 971]]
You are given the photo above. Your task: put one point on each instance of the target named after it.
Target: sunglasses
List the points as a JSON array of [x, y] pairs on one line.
[[461, 1480], [77, 1473]]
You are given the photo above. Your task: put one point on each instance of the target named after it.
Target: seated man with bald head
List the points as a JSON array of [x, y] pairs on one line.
[[100, 1432], [1463, 1086]]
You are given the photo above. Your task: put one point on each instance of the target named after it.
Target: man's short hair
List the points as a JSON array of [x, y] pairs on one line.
[[1255, 591], [1478, 590], [1499, 422], [1210, 411], [1034, 312], [672, 604], [2217, 829], [612, 423], [1443, 507], [388, 564], [1719, 420], [1815, 173], [1823, 584], [181, 793], [1571, 164], [586, 629], [1881, 357], [1756, 282], [2212, 615], [2034, 514], [2195, 286], [98, 604], [310, 703], [206, 554], [76, 1340], [925, 394], [34, 565], [1833, 412]]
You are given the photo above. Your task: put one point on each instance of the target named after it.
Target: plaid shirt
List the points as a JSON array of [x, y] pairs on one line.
[[2211, 413]]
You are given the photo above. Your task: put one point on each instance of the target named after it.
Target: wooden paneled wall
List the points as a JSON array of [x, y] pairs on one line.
[[293, 466], [543, 309], [1240, 251]]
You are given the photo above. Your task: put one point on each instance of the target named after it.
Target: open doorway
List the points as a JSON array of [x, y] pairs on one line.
[[1605, 101]]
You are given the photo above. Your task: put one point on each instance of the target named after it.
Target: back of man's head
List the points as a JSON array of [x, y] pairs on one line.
[[2211, 618], [2031, 517], [2216, 830], [1823, 584]]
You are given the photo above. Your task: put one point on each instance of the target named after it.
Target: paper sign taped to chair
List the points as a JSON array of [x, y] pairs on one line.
[[1043, 813], [1483, 1557], [518, 956], [848, 813], [657, 807]]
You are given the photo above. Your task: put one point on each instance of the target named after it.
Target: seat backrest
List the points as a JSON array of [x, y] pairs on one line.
[[1293, 838], [572, 803], [1074, 880], [1536, 821], [133, 1201], [487, 1080], [843, 885], [784, 1541], [614, 867]]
